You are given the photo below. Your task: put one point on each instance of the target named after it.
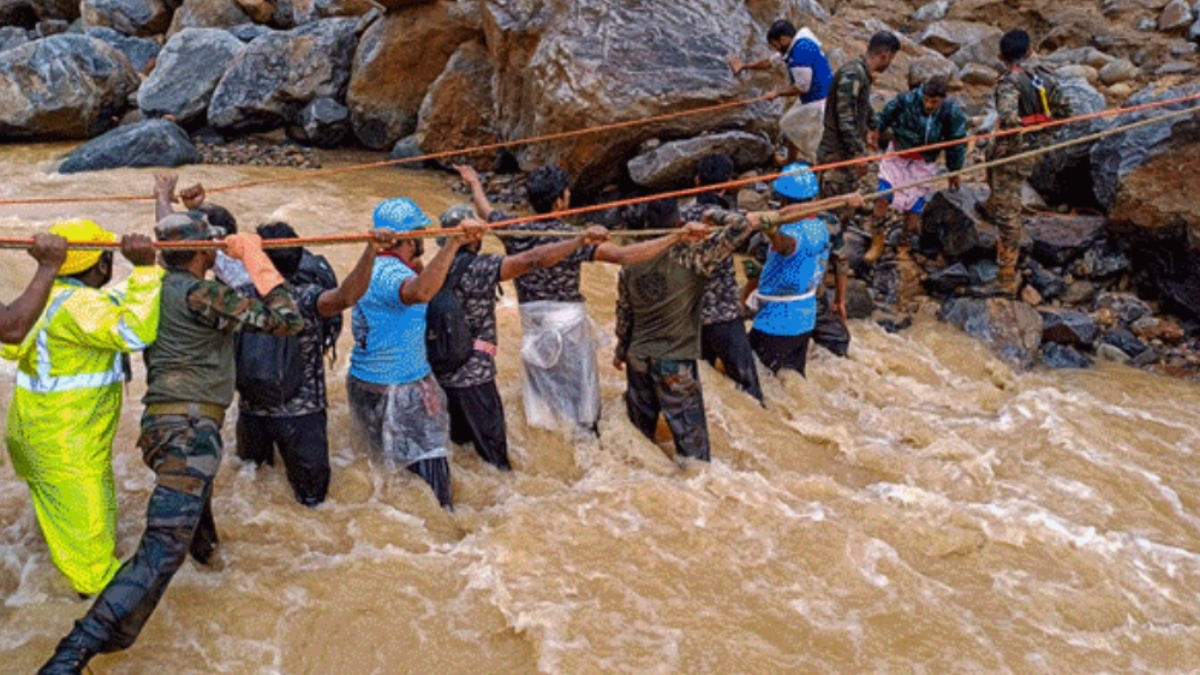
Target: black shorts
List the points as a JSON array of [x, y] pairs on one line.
[[477, 417], [779, 352], [303, 443]]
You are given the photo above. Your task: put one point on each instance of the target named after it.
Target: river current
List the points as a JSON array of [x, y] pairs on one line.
[[915, 508]]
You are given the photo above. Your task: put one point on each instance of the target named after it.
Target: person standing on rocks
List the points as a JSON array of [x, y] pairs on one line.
[[190, 384], [809, 75], [67, 401], [298, 426], [723, 336], [659, 315], [49, 250], [562, 379], [1026, 95], [476, 410], [396, 406], [917, 118], [850, 124]]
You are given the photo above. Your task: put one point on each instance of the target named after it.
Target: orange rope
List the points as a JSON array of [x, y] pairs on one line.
[[618, 125], [812, 207]]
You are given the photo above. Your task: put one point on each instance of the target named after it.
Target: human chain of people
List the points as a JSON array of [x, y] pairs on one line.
[[217, 312]]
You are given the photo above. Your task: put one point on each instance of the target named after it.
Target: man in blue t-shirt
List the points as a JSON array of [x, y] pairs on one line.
[[809, 77], [395, 402]]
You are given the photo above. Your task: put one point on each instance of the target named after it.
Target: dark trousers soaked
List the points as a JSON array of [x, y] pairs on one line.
[[673, 389], [303, 443], [779, 352], [403, 423], [477, 417], [727, 342], [184, 453]]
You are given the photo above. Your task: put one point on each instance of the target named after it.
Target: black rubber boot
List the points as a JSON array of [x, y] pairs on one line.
[[71, 655]]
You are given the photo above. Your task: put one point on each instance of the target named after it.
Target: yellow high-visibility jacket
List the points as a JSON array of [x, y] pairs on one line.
[[64, 414]]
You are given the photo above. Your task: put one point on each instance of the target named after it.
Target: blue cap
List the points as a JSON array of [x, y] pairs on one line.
[[800, 183], [399, 214]]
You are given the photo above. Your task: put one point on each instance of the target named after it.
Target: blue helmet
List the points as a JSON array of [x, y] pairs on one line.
[[799, 184], [399, 214]]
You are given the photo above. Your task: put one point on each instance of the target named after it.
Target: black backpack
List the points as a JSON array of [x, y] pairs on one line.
[[449, 342], [270, 369], [315, 269]]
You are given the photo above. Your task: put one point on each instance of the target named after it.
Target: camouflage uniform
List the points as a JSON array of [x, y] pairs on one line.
[[187, 394], [848, 117], [659, 316], [1018, 104], [723, 336]]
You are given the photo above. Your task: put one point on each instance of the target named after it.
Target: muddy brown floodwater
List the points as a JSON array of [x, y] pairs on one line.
[[916, 508]]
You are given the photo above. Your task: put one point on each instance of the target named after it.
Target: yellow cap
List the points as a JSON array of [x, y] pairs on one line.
[[78, 230]]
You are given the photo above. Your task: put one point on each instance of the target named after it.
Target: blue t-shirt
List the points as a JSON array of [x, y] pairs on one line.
[[801, 273], [389, 336], [806, 53]]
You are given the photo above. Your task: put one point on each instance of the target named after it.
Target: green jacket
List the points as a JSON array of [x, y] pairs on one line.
[[912, 127]]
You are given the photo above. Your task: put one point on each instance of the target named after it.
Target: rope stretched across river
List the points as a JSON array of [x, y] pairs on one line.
[[810, 208], [310, 175]]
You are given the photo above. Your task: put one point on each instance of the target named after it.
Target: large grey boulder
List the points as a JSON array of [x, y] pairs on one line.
[[64, 86], [131, 17], [1012, 329], [947, 37], [208, 14], [140, 51], [953, 225], [147, 143], [612, 62], [323, 123], [1141, 176], [12, 36], [275, 76], [1057, 240], [673, 164], [934, 11], [1176, 16], [189, 68], [1064, 176], [1067, 327]]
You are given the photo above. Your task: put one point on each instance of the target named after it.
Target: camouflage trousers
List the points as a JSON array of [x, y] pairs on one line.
[[1004, 204], [673, 389], [184, 453], [835, 182]]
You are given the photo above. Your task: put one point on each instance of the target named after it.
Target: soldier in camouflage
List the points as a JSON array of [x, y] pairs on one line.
[[190, 383], [659, 314], [723, 337], [850, 124], [1026, 95]]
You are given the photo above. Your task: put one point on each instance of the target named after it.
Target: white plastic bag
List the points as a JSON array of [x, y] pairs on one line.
[[562, 380]]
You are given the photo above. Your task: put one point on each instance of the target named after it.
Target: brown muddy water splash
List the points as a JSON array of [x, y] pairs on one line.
[[916, 508]]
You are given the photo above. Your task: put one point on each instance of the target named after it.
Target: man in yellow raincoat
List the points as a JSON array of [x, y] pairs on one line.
[[67, 399]]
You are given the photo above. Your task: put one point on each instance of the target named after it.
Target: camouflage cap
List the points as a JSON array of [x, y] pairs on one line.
[[189, 226], [455, 215]]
